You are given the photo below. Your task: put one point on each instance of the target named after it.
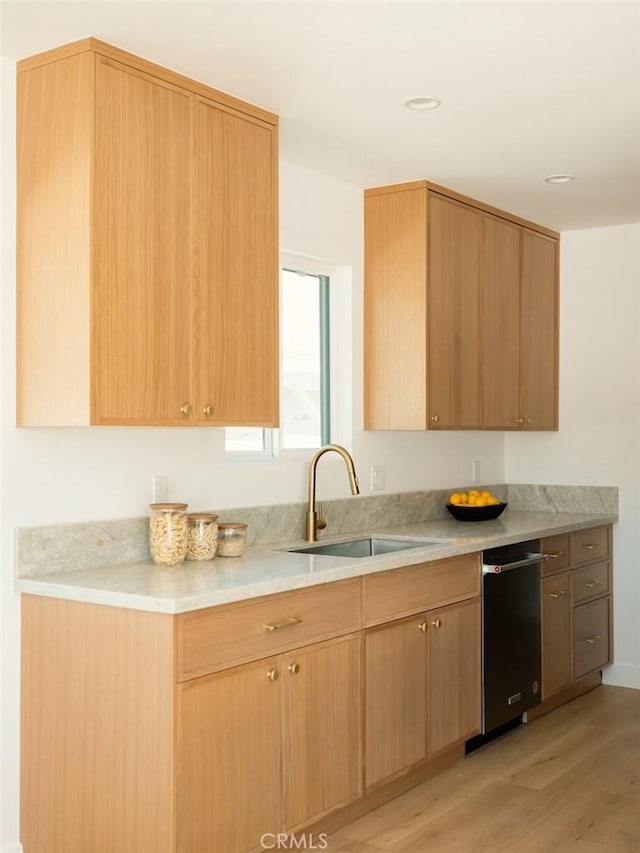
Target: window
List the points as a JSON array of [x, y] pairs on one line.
[[305, 384]]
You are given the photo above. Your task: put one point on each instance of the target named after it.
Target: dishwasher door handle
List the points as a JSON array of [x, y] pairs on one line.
[[529, 560]]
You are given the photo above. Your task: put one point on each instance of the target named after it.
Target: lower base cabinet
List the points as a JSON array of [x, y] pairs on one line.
[[423, 688], [269, 746], [576, 607], [455, 675], [229, 741], [396, 657], [214, 730]]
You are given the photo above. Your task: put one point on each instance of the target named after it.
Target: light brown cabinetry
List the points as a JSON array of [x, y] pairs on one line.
[[202, 731], [556, 634], [454, 647], [414, 709], [461, 318], [520, 327], [539, 331], [453, 309], [188, 762], [576, 607], [249, 736], [396, 661], [147, 246], [229, 739]]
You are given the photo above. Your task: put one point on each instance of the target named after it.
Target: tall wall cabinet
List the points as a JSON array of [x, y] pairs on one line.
[[461, 314], [147, 246]]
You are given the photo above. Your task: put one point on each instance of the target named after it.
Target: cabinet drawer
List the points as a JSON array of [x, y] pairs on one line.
[[400, 592], [590, 582], [556, 550], [220, 637], [590, 545], [590, 636]]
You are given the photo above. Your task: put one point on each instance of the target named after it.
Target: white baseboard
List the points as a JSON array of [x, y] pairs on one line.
[[13, 848], [622, 675]]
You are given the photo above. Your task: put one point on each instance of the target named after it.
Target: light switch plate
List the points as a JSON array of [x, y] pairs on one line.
[[378, 478], [160, 488]]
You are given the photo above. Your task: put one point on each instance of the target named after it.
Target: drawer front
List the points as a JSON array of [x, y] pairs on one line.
[[401, 592], [590, 582], [591, 545], [220, 637], [590, 636], [557, 553]]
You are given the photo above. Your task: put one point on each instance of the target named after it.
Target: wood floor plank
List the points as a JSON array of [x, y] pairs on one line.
[[597, 823], [337, 844], [569, 781], [559, 757]]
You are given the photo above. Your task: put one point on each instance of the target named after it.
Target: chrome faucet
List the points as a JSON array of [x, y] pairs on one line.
[[313, 522]]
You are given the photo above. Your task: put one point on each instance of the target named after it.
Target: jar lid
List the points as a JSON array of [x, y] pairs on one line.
[[233, 525], [162, 507], [202, 516]]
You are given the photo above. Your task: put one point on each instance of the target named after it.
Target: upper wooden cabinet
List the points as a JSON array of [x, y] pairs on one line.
[[461, 316], [147, 246]]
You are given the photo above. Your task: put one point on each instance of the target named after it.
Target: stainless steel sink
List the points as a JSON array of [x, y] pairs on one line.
[[369, 547]]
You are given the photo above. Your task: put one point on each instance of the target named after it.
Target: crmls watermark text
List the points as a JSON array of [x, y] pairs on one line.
[[284, 841]]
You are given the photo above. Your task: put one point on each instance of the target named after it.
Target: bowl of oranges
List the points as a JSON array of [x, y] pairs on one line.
[[475, 505]]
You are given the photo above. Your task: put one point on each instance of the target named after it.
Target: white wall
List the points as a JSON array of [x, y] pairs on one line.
[[66, 475], [599, 438]]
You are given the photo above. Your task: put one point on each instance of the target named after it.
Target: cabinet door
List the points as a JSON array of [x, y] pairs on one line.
[[321, 729], [556, 634], [236, 274], [454, 674], [539, 332], [454, 314], [500, 323], [395, 698], [395, 309], [229, 759], [140, 300]]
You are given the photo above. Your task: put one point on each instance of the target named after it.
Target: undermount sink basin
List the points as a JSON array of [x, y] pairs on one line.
[[369, 547]]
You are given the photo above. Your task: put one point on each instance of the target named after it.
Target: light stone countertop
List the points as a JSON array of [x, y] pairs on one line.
[[271, 569]]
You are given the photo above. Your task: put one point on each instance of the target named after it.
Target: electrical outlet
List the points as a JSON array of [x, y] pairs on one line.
[[378, 478], [475, 471], [160, 488]]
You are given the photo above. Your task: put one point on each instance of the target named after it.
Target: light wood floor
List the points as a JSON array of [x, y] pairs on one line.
[[569, 781]]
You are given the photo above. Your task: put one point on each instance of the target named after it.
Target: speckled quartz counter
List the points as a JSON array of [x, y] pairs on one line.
[[271, 569]]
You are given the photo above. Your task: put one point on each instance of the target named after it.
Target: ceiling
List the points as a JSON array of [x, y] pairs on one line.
[[528, 89]]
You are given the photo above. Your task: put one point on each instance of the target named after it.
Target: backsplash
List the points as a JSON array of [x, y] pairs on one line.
[[92, 545], [592, 499]]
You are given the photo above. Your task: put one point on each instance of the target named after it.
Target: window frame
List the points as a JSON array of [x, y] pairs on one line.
[[326, 273]]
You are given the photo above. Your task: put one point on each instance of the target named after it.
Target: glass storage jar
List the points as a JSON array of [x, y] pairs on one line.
[[232, 538], [202, 535], [168, 533]]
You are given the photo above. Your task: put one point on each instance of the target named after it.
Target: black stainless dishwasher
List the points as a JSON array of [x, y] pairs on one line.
[[511, 656]]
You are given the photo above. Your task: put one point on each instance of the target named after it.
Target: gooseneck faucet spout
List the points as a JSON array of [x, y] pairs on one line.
[[313, 522]]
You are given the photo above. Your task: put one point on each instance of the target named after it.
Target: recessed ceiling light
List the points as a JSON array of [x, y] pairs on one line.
[[559, 179], [422, 103]]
